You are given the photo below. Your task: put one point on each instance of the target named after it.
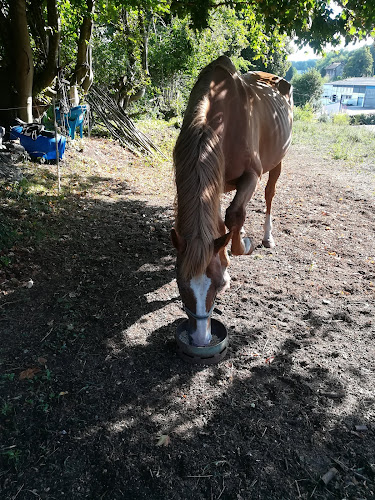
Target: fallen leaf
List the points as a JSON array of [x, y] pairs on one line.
[[42, 361], [29, 373], [164, 440]]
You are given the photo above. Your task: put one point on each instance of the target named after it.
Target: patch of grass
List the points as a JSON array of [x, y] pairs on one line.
[[12, 456], [162, 133], [6, 409], [340, 140], [24, 206], [8, 237], [7, 376], [340, 151]]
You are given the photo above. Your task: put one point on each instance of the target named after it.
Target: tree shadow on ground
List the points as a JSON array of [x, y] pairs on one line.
[[99, 325]]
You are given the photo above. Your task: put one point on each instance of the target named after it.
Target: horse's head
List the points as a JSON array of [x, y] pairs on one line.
[[198, 292]]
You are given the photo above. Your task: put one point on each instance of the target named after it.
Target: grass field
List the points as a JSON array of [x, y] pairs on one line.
[[353, 144]]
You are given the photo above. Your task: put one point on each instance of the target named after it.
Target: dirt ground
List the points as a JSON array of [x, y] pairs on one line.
[[95, 404]]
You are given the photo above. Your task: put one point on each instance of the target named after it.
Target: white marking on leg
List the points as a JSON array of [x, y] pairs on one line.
[[200, 286], [268, 240], [226, 279], [268, 227]]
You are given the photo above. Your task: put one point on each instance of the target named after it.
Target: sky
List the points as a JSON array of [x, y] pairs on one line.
[[308, 53]]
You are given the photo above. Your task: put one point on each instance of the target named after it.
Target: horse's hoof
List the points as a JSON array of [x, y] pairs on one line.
[[249, 246], [269, 243]]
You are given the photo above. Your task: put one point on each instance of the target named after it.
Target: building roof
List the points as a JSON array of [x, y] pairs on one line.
[[333, 65], [349, 82]]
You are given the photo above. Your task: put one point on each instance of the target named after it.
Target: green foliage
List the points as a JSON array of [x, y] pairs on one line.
[[307, 88], [272, 57], [372, 51], [311, 21], [171, 47], [12, 456], [8, 236], [331, 57], [305, 65], [362, 119], [360, 63], [303, 113], [177, 53], [341, 119], [290, 73]]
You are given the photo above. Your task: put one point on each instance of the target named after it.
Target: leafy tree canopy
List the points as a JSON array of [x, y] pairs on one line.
[[360, 63], [37, 37], [307, 88], [311, 21]]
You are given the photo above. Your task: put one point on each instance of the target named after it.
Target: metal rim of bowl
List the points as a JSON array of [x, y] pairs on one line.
[[208, 355]]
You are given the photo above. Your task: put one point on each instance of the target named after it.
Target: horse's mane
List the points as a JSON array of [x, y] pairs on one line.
[[199, 175]]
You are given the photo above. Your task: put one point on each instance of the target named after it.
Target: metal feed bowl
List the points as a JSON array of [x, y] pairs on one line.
[[207, 355]]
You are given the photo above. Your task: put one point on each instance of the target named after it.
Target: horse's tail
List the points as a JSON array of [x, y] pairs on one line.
[[199, 174]]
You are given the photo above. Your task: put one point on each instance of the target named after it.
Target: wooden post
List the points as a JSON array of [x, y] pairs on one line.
[[57, 146]]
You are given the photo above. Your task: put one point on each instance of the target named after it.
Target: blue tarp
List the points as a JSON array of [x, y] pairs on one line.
[[43, 146]]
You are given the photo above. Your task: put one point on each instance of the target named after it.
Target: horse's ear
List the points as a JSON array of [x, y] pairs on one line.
[[222, 242], [178, 242]]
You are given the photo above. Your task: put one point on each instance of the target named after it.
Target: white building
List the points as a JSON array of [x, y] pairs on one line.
[[351, 92]]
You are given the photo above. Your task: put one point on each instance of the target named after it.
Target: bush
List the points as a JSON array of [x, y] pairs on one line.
[[303, 113], [323, 119], [362, 119], [341, 119]]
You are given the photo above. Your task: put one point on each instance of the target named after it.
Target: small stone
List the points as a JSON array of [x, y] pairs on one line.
[[30, 283], [361, 428]]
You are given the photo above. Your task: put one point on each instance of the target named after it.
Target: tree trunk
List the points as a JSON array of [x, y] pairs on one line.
[[83, 65], [22, 59], [45, 77]]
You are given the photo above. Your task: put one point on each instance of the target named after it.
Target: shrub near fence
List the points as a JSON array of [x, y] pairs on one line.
[[362, 120]]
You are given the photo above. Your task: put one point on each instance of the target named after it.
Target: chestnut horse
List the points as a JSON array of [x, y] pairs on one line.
[[235, 128]]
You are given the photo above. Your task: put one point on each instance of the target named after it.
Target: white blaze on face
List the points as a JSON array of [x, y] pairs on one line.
[[200, 286]]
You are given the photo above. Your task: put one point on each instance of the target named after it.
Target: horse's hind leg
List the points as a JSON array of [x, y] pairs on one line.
[[270, 190]]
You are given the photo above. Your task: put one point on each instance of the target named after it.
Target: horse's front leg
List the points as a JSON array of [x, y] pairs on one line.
[[270, 190], [236, 214]]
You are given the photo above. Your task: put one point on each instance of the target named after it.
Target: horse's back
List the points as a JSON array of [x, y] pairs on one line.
[[276, 82], [271, 103]]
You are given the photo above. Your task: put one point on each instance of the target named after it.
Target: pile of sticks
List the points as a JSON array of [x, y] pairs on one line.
[[118, 123]]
